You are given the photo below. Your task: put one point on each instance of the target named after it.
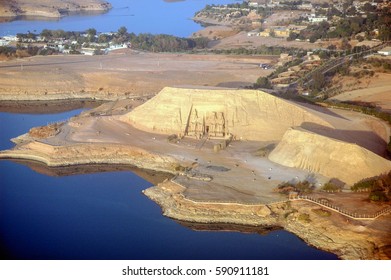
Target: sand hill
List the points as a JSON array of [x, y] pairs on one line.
[[329, 157], [246, 114]]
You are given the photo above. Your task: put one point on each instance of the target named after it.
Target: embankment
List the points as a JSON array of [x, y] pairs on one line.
[[91, 153], [331, 232]]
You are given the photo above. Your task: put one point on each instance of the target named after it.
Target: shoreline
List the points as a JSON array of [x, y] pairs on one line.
[[16, 10], [170, 197]]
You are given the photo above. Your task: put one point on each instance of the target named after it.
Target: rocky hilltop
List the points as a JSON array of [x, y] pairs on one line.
[[50, 8]]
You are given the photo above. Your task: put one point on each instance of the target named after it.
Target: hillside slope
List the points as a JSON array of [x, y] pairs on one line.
[[332, 158]]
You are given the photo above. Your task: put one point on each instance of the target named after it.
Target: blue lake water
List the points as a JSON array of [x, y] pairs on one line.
[[147, 16], [105, 215]]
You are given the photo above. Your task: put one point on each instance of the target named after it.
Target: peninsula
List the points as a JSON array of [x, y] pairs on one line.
[[229, 150], [221, 116], [50, 9]]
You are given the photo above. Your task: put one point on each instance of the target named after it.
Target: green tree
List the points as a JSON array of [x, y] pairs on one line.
[[263, 82], [46, 33], [91, 33], [318, 82], [122, 31]]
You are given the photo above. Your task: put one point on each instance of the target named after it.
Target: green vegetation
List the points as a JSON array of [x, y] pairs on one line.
[[321, 212], [263, 82], [7, 51], [318, 82], [389, 146], [262, 50], [163, 43], [302, 187], [379, 187], [348, 23], [331, 187], [385, 64], [359, 108], [378, 196], [304, 218], [287, 214], [74, 41]]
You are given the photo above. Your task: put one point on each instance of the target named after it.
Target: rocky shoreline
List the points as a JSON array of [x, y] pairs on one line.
[[91, 153], [51, 9], [326, 232], [297, 217]]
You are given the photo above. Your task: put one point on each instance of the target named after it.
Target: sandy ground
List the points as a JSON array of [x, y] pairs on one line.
[[377, 90], [238, 173], [241, 40], [364, 130], [122, 74], [247, 177]]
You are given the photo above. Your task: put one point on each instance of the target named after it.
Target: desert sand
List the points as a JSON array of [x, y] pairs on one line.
[[122, 74], [375, 90]]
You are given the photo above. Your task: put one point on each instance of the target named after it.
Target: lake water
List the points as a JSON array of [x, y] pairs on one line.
[[104, 215], [146, 16]]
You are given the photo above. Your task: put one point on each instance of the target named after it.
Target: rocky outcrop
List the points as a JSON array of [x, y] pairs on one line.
[[92, 153], [332, 158], [52, 8], [348, 240]]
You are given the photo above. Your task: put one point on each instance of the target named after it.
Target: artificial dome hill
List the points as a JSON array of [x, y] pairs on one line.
[[245, 114], [258, 116]]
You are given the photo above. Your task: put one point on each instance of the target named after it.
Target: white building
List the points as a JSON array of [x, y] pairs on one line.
[[11, 38], [4, 43], [386, 51], [88, 51], [316, 19]]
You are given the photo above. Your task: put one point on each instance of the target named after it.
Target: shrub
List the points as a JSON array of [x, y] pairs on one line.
[[321, 212], [378, 196], [304, 218], [364, 185], [330, 187]]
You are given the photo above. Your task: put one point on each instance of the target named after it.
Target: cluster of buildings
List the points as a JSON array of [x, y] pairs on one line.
[[7, 40], [312, 14], [63, 45], [277, 31]]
